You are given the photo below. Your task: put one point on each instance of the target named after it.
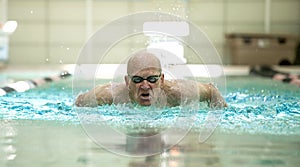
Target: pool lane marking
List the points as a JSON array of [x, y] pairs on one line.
[[22, 86]]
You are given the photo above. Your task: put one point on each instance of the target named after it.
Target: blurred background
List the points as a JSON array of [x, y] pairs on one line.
[[54, 31]]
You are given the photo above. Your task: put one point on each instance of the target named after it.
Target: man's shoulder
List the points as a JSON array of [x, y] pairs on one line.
[[176, 82], [181, 86], [118, 87], [173, 85]]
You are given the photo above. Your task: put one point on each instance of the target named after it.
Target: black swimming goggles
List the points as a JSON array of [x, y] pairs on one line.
[[139, 79]]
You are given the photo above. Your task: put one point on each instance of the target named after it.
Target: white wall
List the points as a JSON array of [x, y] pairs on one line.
[[53, 31]]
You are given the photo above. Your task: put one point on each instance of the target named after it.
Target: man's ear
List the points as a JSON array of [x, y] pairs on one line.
[[126, 80], [162, 78]]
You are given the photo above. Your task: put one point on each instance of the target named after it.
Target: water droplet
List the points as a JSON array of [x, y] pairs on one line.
[[68, 48], [60, 61], [11, 157], [63, 88], [47, 60], [31, 11]]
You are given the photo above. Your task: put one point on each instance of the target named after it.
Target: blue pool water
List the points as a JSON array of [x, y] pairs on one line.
[[256, 106]]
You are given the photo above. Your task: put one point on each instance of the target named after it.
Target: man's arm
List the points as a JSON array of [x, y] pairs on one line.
[[177, 89], [100, 95], [209, 93]]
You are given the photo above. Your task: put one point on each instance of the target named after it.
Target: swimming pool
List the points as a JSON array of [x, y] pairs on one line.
[[261, 127]]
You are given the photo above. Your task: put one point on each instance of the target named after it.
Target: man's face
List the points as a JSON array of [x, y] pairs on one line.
[[144, 85]]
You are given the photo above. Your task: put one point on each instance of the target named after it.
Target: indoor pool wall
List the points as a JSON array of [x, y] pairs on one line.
[[261, 127]]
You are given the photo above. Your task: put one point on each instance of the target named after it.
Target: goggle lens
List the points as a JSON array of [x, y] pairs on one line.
[[151, 79]]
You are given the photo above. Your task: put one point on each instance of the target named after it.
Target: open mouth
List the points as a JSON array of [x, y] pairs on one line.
[[145, 96]]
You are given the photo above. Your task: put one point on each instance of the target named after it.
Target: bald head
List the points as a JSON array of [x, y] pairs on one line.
[[141, 61]]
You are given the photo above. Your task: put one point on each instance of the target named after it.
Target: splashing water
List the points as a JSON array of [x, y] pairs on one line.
[[255, 106]]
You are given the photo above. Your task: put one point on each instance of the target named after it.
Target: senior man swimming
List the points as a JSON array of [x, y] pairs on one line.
[[145, 83]]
